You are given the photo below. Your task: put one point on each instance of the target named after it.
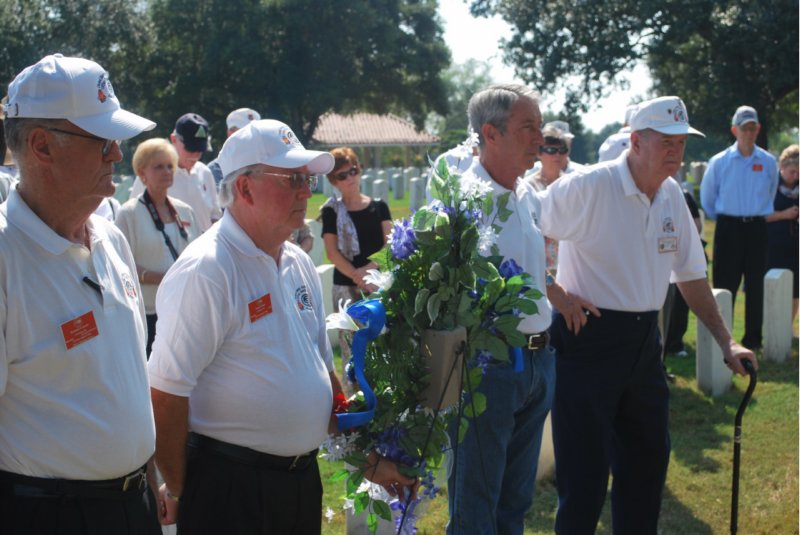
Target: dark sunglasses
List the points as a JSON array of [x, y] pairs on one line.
[[344, 175], [553, 150]]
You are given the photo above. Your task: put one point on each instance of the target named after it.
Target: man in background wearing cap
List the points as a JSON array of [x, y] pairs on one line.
[[738, 190], [237, 119], [193, 182], [624, 232], [76, 424], [616, 143], [242, 372]]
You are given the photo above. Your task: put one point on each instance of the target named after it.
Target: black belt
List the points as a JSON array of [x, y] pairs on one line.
[[741, 219], [40, 487], [240, 454], [537, 341]]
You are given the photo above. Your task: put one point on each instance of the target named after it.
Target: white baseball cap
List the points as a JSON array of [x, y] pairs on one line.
[[563, 126], [74, 89], [241, 118], [270, 142], [667, 115]]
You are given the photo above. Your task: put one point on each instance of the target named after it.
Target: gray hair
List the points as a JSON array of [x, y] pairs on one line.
[[18, 129], [493, 105], [227, 193]]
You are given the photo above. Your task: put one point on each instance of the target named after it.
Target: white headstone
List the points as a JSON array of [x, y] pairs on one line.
[[327, 187], [366, 184], [317, 252], [417, 193], [380, 190], [777, 327], [398, 187], [325, 272], [698, 170], [713, 375]]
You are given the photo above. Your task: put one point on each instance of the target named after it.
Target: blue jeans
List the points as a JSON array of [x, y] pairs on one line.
[[491, 482]]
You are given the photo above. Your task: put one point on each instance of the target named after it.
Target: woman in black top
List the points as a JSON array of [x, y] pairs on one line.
[[354, 226]]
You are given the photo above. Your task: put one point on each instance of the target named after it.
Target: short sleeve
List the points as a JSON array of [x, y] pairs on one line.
[[328, 220], [383, 211]]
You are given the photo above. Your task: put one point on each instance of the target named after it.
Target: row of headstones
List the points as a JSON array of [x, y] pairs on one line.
[[713, 376], [379, 184]]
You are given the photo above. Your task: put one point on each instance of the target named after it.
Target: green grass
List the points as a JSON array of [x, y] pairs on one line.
[[698, 491]]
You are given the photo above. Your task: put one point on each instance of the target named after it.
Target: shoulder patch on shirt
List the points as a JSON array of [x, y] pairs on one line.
[[302, 298], [127, 284]]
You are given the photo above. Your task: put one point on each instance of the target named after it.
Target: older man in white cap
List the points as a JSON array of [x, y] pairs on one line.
[[76, 425], [236, 120], [625, 232], [738, 191], [242, 372]]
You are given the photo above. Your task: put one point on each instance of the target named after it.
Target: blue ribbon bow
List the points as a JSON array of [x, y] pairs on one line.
[[372, 315], [515, 355]]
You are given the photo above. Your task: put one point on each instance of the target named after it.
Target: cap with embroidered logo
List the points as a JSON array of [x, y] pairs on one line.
[[193, 132], [241, 118], [744, 115], [75, 89], [667, 115], [273, 143]]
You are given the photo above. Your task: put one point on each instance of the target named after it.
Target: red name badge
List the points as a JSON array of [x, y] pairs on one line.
[[79, 330], [260, 307], [757, 167]]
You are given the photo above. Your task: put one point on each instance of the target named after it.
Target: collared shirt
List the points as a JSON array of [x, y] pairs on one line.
[[147, 242], [244, 338], [736, 185], [617, 249], [74, 397], [521, 239], [197, 189]]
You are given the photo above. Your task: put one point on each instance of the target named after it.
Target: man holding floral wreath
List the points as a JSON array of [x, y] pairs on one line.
[[624, 234], [491, 484], [242, 371]]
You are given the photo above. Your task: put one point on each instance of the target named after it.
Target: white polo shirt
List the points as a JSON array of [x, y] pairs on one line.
[[521, 239], [617, 249], [245, 340], [74, 397], [197, 189]]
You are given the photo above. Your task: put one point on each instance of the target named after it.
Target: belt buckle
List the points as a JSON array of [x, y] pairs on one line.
[[140, 475], [536, 341], [294, 461]]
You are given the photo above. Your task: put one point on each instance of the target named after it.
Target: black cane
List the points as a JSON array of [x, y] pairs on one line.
[[737, 446]]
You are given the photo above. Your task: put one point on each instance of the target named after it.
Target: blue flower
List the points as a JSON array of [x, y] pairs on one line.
[[482, 360], [402, 240], [387, 444], [509, 268]]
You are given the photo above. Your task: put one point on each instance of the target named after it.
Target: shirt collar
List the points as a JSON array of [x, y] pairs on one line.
[[21, 216], [230, 230]]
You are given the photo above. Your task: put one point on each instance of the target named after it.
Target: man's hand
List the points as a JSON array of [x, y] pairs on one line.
[[575, 309], [167, 506], [735, 354], [385, 473]]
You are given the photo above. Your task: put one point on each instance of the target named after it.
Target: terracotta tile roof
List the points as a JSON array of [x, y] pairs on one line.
[[368, 130]]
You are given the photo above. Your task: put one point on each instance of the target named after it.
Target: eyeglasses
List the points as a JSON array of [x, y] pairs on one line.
[[296, 180], [344, 176], [107, 143], [553, 150]]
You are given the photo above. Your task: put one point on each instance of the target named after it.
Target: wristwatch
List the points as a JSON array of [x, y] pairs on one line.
[[548, 279]]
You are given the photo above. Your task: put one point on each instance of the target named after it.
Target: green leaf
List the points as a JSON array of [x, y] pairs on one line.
[[353, 481], [420, 300], [485, 269], [434, 304], [360, 502], [382, 509], [436, 272], [424, 220], [372, 522], [340, 474], [383, 258], [462, 429], [526, 306], [476, 405], [469, 241]]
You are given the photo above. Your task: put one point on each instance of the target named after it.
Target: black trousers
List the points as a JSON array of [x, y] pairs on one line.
[[221, 495], [610, 413], [740, 250], [151, 333], [25, 510]]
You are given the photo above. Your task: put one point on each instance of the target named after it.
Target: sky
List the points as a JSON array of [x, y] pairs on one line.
[[478, 38]]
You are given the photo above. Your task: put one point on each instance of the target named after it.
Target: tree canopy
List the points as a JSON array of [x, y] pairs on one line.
[[290, 60], [715, 54]]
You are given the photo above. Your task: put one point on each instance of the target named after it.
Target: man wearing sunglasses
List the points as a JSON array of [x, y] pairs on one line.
[[242, 372], [76, 426]]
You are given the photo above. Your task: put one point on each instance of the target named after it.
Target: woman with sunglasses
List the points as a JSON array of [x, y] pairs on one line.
[[158, 227], [354, 226]]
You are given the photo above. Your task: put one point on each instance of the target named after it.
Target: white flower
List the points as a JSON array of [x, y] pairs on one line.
[[381, 279], [375, 491], [337, 447], [487, 237], [329, 514], [341, 319], [475, 187]]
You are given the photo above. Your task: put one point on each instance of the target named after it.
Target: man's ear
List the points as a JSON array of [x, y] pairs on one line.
[[489, 133], [733, 130], [242, 187], [39, 145]]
